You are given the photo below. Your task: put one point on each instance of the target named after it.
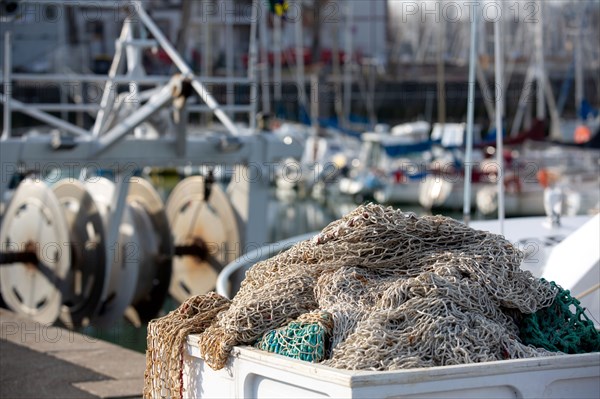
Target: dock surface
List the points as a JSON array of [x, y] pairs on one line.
[[38, 361]]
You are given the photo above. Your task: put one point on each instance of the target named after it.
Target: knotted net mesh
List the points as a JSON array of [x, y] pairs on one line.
[[561, 327], [398, 291], [166, 339], [305, 338], [403, 291]]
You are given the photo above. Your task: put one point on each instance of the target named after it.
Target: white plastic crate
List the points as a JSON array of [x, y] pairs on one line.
[[251, 373]]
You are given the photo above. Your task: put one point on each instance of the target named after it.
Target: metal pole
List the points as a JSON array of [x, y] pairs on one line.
[[335, 60], [60, 62], [145, 80], [579, 67], [539, 51], [206, 39], [499, 77], [485, 89], [300, 81], [264, 55], [371, 93], [80, 101], [470, 115], [133, 55], [348, 65], [314, 102], [108, 94], [118, 205], [112, 136], [44, 117], [186, 71], [205, 119], [52, 107], [7, 86], [229, 56], [78, 3], [277, 58], [523, 101], [441, 70], [252, 66], [499, 138]]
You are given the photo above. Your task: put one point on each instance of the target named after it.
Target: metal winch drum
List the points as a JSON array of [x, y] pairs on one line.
[[34, 240], [121, 278], [156, 248], [207, 236], [82, 293], [140, 260], [57, 262]]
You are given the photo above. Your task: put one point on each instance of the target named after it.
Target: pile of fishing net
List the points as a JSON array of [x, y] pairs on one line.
[[166, 339], [378, 289]]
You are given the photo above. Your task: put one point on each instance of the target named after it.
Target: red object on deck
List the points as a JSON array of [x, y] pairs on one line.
[[583, 134]]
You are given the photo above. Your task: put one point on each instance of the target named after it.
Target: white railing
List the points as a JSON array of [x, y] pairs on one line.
[[225, 285]]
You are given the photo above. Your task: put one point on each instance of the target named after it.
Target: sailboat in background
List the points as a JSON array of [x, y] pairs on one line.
[[574, 169], [548, 242]]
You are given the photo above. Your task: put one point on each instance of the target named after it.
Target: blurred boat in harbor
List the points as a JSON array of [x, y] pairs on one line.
[[544, 169], [325, 156], [383, 154]]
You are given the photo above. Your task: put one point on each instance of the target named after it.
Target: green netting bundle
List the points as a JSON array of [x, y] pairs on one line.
[[304, 338], [561, 327]]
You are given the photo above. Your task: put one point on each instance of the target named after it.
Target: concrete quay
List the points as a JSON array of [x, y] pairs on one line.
[[38, 361]]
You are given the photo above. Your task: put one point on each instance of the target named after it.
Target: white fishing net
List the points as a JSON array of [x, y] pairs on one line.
[[166, 339], [403, 292]]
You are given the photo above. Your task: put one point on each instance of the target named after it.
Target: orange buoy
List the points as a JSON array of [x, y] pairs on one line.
[[582, 134], [547, 178]]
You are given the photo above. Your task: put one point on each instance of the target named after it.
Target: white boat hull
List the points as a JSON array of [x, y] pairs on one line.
[[530, 200], [399, 193]]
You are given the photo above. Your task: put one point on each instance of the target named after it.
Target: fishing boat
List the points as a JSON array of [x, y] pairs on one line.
[[386, 158]]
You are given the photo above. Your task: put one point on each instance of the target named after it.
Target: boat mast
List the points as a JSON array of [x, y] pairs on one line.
[[579, 65], [314, 105], [348, 63], [499, 136], [277, 60], [252, 66], [264, 55], [300, 80], [544, 90], [539, 54], [470, 115], [441, 84], [335, 61]]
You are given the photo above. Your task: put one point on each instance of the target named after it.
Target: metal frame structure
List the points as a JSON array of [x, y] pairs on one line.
[[113, 147]]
